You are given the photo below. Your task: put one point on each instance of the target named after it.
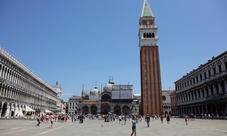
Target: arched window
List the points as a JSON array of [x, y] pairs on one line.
[[144, 35], [153, 36], [163, 97], [149, 35]]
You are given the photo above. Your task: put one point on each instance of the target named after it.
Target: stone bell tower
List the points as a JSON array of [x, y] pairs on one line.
[[151, 90]]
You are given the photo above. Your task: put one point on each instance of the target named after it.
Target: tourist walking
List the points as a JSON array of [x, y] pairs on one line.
[[38, 120], [168, 118], [42, 118], [134, 121], [125, 118], [186, 119], [119, 119], [51, 118], [72, 118], [148, 118], [162, 119]]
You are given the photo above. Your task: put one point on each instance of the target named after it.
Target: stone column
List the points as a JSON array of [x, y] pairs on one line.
[[214, 89], [7, 111], [89, 109], [1, 67], [225, 87], [111, 109], [206, 109], [197, 94], [209, 91], [1, 89], [225, 107], [205, 93], [191, 96], [220, 88], [1, 109], [216, 109], [202, 108], [199, 112]]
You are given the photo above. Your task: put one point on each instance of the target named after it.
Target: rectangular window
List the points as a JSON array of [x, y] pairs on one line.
[[205, 76], [214, 71], [219, 67], [197, 79], [226, 65], [201, 77], [209, 73]]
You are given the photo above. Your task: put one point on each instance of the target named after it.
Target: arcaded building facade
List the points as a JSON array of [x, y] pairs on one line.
[[151, 89], [114, 99], [21, 91], [203, 90]]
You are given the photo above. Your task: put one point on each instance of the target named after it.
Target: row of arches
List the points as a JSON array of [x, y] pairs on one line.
[[105, 109], [148, 35], [204, 92], [8, 109], [27, 85]]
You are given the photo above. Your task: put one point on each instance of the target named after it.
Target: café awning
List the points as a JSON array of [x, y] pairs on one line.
[[48, 111], [29, 109]]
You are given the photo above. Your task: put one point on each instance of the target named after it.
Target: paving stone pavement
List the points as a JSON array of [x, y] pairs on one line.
[[176, 127]]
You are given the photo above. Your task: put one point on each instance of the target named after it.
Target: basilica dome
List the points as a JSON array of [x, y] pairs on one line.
[[108, 87], [94, 91]]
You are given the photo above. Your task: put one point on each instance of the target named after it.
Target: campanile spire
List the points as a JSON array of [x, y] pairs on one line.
[[146, 11], [151, 90]]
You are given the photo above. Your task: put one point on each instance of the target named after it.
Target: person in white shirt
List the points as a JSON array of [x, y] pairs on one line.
[[119, 119], [51, 118]]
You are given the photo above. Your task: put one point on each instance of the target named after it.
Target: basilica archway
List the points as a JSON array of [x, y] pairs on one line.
[[106, 98], [117, 110], [105, 108], [125, 110], [4, 108], [85, 110], [13, 109], [94, 109]]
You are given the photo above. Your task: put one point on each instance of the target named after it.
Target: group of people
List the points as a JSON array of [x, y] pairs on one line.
[[49, 118], [147, 119]]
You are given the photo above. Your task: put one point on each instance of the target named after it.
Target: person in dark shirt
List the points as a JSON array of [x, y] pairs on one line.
[[148, 118]]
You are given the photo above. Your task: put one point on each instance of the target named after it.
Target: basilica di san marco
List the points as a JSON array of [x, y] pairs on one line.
[[113, 99]]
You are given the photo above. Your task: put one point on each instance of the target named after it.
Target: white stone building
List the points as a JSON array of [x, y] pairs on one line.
[[73, 104], [21, 91], [203, 90]]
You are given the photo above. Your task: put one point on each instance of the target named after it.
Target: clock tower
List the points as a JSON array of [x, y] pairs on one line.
[[151, 90]]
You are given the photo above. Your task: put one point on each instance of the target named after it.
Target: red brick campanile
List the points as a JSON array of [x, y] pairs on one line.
[[151, 90]]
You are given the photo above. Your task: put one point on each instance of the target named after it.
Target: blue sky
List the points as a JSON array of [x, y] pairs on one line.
[[86, 41]]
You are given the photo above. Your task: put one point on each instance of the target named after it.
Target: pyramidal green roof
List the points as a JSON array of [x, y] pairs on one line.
[[146, 11]]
